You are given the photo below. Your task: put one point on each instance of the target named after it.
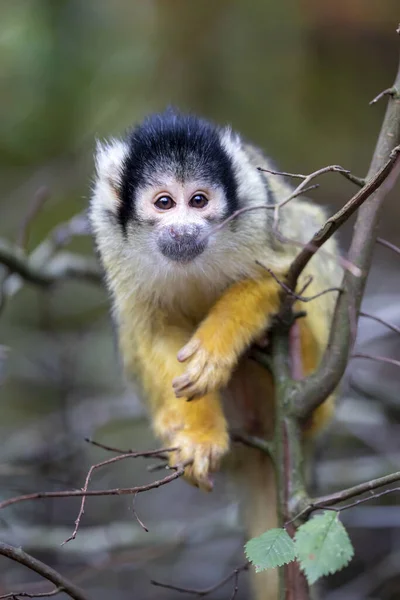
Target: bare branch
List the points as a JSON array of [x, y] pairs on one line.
[[18, 555], [142, 525], [388, 245], [17, 595], [252, 441], [384, 168], [340, 217], [331, 500], [160, 453], [104, 463], [297, 192], [382, 359], [347, 174], [287, 289], [111, 492], [205, 592], [357, 490], [371, 496], [388, 92], [38, 201], [63, 266], [301, 189], [380, 320]]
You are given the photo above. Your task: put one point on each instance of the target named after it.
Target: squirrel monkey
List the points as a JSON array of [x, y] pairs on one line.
[[190, 298]]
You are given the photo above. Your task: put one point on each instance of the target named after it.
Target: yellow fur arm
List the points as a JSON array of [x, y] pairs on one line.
[[234, 322], [197, 428]]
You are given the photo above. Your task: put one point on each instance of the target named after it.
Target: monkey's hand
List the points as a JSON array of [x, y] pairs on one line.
[[238, 318], [208, 369]]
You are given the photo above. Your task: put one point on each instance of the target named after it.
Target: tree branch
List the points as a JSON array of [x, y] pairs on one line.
[[362, 488], [205, 592], [111, 492], [17, 595], [388, 245], [382, 359], [317, 387], [334, 168], [104, 463], [381, 321], [340, 217], [63, 266], [18, 555]]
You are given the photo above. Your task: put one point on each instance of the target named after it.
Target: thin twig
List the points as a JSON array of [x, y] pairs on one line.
[[61, 235], [301, 188], [110, 492], [371, 496], [347, 174], [39, 198], [160, 453], [297, 192], [18, 555], [289, 291], [382, 359], [331, 500], [61, 267], [340, 217], [381, 321], [388, 92], [17, 595], [252, 441], [103, 463], [387, 244], [205, 592], [142, 525]]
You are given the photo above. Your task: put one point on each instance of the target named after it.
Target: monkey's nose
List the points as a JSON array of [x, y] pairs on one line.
[[180, 234]]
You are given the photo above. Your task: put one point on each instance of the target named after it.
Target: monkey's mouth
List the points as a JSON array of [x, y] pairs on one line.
[[182, 251]]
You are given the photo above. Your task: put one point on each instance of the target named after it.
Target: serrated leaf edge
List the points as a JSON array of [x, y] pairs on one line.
[[286, 538], [331, 571]]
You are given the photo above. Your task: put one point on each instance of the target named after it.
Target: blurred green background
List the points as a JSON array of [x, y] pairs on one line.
[[296, 77]]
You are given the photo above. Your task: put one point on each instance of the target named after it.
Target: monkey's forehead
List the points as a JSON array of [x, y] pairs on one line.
[[184, 147]]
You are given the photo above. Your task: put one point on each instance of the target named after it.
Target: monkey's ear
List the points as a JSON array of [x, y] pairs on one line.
[[109, 157]]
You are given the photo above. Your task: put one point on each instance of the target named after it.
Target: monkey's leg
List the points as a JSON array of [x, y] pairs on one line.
[[240, 315], [198, 428]]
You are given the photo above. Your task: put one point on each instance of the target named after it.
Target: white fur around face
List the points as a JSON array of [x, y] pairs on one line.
[[250, 183], [109, 159]]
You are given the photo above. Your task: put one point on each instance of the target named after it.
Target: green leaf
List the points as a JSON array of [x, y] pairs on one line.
[[273, 548], [322, 546]]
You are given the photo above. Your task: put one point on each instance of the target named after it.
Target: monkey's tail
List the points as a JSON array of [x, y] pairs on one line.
[[256, 478], [253, 469]]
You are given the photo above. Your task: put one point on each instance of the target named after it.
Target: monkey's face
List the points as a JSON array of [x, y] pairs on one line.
[[181, 216]]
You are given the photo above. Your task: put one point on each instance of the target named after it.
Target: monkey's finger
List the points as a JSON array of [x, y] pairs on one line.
[[188, 350], [190, 392], [181, 382], [186, 385]]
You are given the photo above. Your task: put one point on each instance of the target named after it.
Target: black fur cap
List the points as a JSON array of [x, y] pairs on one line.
[[184, 146]]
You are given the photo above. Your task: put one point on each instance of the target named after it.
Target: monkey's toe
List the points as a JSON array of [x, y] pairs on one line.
[[202, 453]]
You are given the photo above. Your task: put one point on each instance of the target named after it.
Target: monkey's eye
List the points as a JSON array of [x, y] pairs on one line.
[[165, 203], [198, 201]]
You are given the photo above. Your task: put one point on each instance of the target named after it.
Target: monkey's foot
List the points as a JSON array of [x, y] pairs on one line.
[[201, 451], [207, 369]]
